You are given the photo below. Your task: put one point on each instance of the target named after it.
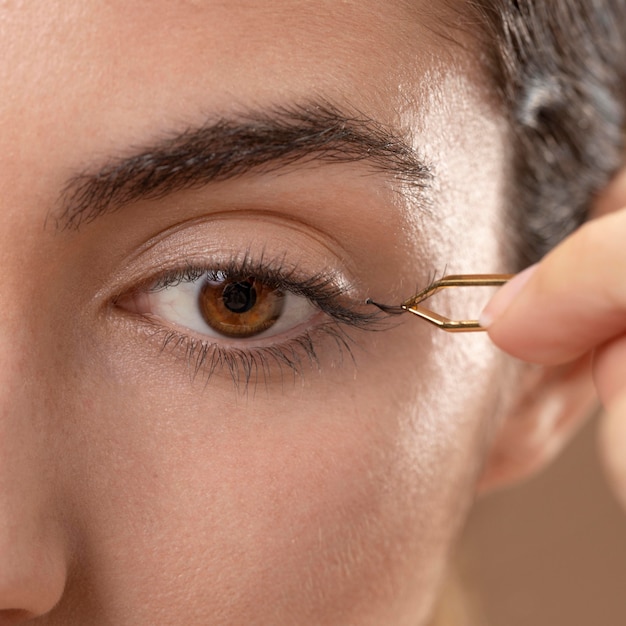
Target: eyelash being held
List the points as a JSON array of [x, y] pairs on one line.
[[258, 363]]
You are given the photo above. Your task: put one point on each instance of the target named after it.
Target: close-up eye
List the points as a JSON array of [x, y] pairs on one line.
[[217, 303], [250, 318]]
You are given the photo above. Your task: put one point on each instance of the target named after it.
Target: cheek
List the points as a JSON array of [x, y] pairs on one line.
[[272, 515], [261, 506]]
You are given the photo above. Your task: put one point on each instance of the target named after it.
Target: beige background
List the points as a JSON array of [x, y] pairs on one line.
[[551, 552]]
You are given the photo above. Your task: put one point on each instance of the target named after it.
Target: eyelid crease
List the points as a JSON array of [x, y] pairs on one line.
[[221, 239]]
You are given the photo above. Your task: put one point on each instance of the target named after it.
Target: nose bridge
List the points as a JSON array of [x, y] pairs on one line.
[[32, 548], [26, 338], [20, 391]]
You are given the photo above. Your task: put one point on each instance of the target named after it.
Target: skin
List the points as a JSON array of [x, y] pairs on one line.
[[132, 491]]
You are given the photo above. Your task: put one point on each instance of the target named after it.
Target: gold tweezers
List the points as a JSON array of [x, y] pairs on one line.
[[413, 304]]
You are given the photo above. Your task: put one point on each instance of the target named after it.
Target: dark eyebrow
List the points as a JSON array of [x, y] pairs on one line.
[[229, 147]]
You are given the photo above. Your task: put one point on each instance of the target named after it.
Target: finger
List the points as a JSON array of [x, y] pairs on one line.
[[609, 371], [571, 302]]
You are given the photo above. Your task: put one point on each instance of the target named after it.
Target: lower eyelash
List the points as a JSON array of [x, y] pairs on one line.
[[251, 366]]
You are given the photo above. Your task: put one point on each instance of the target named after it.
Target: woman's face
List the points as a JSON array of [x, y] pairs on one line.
[[180, 444]]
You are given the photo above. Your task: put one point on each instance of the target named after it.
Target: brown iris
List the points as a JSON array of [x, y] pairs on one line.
[[240, 308]]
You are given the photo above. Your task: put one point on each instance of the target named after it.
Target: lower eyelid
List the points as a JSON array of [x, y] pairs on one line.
[[274, 360]]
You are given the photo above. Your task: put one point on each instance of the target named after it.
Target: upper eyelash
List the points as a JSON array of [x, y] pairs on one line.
[[322, 290], [251, 365]]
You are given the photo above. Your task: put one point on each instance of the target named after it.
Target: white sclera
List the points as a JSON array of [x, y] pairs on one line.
[[179, 304]]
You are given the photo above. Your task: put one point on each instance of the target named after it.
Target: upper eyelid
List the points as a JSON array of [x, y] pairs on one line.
[[217, 240]]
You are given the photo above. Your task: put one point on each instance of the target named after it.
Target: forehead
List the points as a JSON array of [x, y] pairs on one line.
[[82, 77], [56, 54]]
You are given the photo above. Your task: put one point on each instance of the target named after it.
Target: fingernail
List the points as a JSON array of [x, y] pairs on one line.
[[501, 301]]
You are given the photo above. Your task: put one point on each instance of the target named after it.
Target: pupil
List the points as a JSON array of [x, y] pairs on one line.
[[239, 297]]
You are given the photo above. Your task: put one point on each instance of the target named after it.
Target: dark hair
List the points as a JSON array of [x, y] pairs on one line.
[[560, 68]]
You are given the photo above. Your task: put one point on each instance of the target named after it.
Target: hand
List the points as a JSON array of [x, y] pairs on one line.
[[569, 305]]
